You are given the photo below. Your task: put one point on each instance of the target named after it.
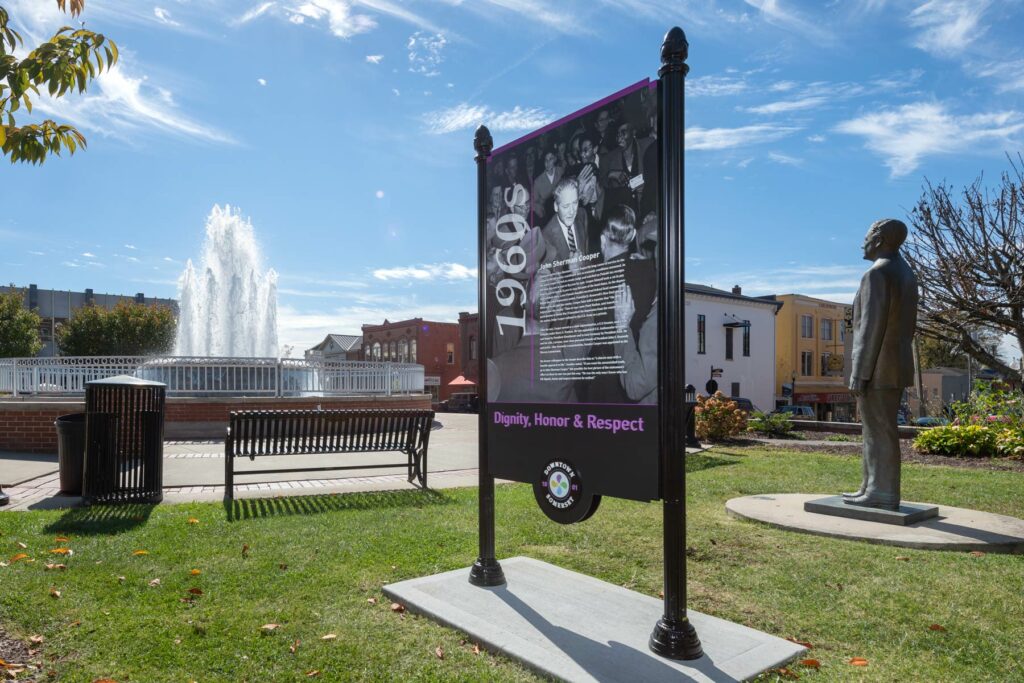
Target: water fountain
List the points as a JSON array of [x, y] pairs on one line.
[[228, 305]]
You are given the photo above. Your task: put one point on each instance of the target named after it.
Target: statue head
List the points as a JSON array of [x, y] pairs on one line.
[[884, 238]]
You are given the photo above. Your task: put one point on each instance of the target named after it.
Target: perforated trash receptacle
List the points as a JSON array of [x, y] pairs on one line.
[[124, 441]]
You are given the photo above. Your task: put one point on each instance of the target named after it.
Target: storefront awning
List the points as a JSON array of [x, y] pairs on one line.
[[461, 381]]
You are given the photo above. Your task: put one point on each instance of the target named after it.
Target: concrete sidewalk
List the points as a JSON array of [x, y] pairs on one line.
[[194, 471]]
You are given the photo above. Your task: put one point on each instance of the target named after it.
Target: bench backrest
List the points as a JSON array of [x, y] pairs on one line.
[[284, 432]]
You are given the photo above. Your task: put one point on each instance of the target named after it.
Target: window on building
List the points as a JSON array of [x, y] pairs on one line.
[[746, 338], [735, 391], [403, 351], [450, 348], [842, 330], [412, 351], [701, 339], [824, 364], [826, 330], [387, 353], [807, 363], [394, 351], [472, 348], [807, 326], [376, 350], [728, 343]]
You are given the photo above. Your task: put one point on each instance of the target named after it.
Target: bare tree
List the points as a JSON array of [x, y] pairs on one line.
[[968, 254]]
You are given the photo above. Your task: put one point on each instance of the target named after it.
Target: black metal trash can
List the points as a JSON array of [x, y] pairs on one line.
[[71, 452], [124, 441]]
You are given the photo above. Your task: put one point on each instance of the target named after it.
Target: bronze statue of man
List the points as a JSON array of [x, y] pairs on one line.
[[884, 320]]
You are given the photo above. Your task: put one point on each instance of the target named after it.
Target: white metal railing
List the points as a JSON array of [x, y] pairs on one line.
[[188, 376]]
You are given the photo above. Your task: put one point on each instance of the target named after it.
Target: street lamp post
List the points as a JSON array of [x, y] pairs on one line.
[[792, 389]]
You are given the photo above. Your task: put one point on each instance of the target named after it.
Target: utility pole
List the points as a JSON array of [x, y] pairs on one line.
[[921, 408]]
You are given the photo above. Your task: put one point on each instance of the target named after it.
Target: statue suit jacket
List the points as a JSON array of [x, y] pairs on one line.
[[884, 320]]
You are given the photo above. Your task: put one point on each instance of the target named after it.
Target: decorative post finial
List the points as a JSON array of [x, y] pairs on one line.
[[674, 51], [483, 143]]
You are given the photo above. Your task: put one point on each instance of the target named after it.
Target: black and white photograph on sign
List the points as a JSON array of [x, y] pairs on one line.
[[571, 232]]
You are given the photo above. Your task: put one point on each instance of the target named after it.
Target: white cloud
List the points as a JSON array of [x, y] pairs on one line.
[[784, 106], [947, 27], [433, 271], [773, 13], [816, 138], [87, 254], [254, 13], [715, 86], [261, 81], [464, 116], [729, 138], [131, 258], [130, 246], [164, 16], [379, 194], [907, 134], [1010, 75], [337, 14], [831, 282], [395, 92], [425, 53], [374, 59], [785, 159], [37, 253], [121, 105]]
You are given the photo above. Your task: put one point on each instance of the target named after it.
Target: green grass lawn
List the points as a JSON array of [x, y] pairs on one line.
[[313, 566]]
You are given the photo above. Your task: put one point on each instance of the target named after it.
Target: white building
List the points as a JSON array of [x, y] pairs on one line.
[[733, 333]]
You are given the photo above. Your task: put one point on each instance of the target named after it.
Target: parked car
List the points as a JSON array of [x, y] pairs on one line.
[[463, 403], [796, 412], [745, 404], [931, 422]]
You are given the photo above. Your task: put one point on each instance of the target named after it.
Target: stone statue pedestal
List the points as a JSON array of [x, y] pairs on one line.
[[908, 513]]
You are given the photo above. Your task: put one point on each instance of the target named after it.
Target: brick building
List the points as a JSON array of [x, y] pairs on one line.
[[469, 331], [434, 345]]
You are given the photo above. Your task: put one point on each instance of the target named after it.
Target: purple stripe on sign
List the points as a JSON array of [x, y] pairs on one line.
[[529, 306], [565, 119]]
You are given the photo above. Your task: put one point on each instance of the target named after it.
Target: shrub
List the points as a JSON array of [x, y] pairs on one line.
[[1010, 442], [717, 417], [777, 425], [963, 440], [839, 437]]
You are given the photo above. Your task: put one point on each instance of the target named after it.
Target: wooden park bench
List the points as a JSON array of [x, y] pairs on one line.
[[254, 433]]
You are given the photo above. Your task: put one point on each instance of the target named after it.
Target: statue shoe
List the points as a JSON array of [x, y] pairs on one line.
[[874, 500], [858, 494]]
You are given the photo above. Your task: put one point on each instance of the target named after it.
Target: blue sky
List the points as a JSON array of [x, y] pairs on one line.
[[343, 129]]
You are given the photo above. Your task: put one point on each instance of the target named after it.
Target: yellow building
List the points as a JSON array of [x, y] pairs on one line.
[[811, 345]]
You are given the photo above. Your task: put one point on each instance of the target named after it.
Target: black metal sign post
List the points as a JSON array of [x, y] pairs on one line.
[[486, 571], [673, 635]]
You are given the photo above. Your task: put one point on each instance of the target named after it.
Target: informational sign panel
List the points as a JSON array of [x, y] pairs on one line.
[[572, 278]]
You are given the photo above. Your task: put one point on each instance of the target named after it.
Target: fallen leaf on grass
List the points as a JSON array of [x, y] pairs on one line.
[[74, 623], [154, 583], [195, 591], [476, 649], [50, 566], [193, 520], [294, 646], [312, 672], [800, 642], [858, 661], [269, 628], [329, 636], [36, 639], [397, 607], [787, 673], [140, 552], [282, 566], [936, 627], [121, 579], [104, 680], [62, 551], [22, 545], [372, 601], [977, 553], [810, 663], [245, 550], [3, 564], [54, 593], [439, 652], [18, 557], [195, 572], [903, 558], [62, 539]]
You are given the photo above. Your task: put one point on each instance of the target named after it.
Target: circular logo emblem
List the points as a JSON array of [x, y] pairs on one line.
[[558, 484]]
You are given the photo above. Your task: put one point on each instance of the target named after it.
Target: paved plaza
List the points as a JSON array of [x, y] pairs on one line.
[[194, 470]]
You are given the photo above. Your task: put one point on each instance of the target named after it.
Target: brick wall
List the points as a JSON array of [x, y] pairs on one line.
[[26, 426]]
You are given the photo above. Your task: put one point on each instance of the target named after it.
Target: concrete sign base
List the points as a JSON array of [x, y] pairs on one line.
[[908, 513], [574, 627]]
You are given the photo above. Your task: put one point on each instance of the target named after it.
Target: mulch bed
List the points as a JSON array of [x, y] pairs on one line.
[[907, 452], [14, 652]]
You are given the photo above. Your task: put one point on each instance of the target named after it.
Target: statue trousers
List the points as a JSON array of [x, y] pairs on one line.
[[878, 413]]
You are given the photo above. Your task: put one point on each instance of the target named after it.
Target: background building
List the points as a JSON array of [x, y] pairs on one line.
[[434, 345], [942, 386], [735, 333], [811, 339], [56, 306], [337, 347], [469, 331]]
